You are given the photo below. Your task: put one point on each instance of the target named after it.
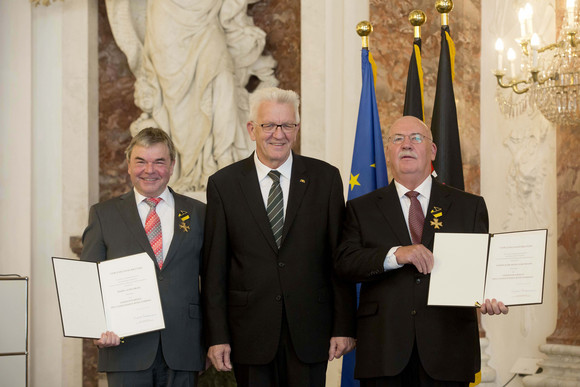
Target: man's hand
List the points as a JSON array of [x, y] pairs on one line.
[[340, 346], [108, 339], [493, 307], [417, 255], [220, 357]]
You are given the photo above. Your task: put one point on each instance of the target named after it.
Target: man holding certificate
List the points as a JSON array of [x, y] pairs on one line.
[[167, 226], [387, 245]]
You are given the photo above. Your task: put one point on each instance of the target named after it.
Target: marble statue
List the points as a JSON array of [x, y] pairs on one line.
[[192, 60]]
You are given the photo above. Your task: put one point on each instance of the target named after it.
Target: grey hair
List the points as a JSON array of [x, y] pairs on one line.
[[148, 137], [273, 94]]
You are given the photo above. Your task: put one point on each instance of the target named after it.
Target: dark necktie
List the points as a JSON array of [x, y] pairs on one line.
[[275, 208], [153, 230], [416, 217]]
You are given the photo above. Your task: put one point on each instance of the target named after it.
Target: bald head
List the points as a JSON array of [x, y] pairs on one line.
[[410, 159], [410, 121]]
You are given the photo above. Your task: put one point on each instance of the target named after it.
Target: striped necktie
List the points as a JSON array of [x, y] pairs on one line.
[[275, 208], [153, 230]]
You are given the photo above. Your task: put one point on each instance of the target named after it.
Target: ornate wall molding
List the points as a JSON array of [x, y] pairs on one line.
[[526, 173], [46, 3]]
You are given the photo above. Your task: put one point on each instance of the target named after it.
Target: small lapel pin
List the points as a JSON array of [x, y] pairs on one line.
[[302, 181]]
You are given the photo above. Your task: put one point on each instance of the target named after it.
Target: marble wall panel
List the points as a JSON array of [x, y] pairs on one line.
[[280, 19], [568, 180], [391, 45], [116, 111]]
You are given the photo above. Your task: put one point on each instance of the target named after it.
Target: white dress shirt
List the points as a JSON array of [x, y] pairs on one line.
[[166, 212], [424, 190], [266, 182]]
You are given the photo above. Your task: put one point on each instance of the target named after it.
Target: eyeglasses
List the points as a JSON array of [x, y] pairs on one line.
[[415, 138], [270, 127]]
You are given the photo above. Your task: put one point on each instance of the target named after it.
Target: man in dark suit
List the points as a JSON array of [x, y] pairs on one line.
[[273, 306], [117, 228], [387, 245]]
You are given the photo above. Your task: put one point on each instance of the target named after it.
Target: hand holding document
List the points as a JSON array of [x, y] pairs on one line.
[[470, 268], [119, 295]]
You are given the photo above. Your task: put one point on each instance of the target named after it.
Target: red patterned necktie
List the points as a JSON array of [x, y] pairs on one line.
[[153, 230], [416, 218]]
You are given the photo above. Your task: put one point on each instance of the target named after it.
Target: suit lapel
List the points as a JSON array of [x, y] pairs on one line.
[[250, 187], [178, 234], [299, 182], [128, 210], [439, 203], [390, 206]]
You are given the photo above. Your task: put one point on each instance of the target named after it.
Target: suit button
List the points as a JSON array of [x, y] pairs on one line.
[[160, 278], [281, 264], [413, 312], [418, 281], [278, 298]]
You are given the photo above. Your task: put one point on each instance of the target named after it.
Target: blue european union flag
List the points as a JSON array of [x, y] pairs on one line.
[[369, 168]]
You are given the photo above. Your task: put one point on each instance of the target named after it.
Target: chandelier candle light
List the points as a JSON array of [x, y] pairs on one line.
[[554, 88]]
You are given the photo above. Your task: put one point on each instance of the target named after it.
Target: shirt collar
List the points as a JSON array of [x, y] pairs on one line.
[[263, 170], [424, 188], [165, 195]]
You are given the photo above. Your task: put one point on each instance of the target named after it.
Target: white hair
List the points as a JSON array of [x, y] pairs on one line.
[[273, 94]]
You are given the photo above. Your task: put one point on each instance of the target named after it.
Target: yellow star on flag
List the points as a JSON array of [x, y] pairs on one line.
[[353, 181]]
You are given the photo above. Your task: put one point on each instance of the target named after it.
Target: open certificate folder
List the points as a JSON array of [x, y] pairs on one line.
[[470, 268], [119, 295]]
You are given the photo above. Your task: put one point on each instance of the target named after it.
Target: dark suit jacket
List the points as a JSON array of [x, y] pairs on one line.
[[248, 281], [393, 311], [115, 230]]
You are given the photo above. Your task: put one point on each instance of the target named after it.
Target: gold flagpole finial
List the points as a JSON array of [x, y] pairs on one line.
[[444, 7], [417, 18], [364, 29]]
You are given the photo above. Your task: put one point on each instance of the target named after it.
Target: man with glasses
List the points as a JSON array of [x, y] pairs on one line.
[[387, 245], [275, 311]]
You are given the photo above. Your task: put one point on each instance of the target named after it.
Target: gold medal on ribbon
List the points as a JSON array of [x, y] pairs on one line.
[[183, 216]]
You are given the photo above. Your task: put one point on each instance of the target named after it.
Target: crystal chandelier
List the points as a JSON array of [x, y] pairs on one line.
[[549, 79]]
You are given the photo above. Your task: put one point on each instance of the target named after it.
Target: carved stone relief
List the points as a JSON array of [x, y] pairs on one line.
[[192, 61]]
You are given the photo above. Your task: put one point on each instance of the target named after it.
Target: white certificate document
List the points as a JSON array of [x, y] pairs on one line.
[[470, 268], [119, 295]]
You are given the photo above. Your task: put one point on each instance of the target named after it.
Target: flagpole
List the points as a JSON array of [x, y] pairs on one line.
[[417, 18], [364, 29], [414, 105], [444, 7], [444, 122], [369, 169]]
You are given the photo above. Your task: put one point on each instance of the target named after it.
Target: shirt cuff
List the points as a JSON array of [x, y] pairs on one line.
[[390, 261]]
